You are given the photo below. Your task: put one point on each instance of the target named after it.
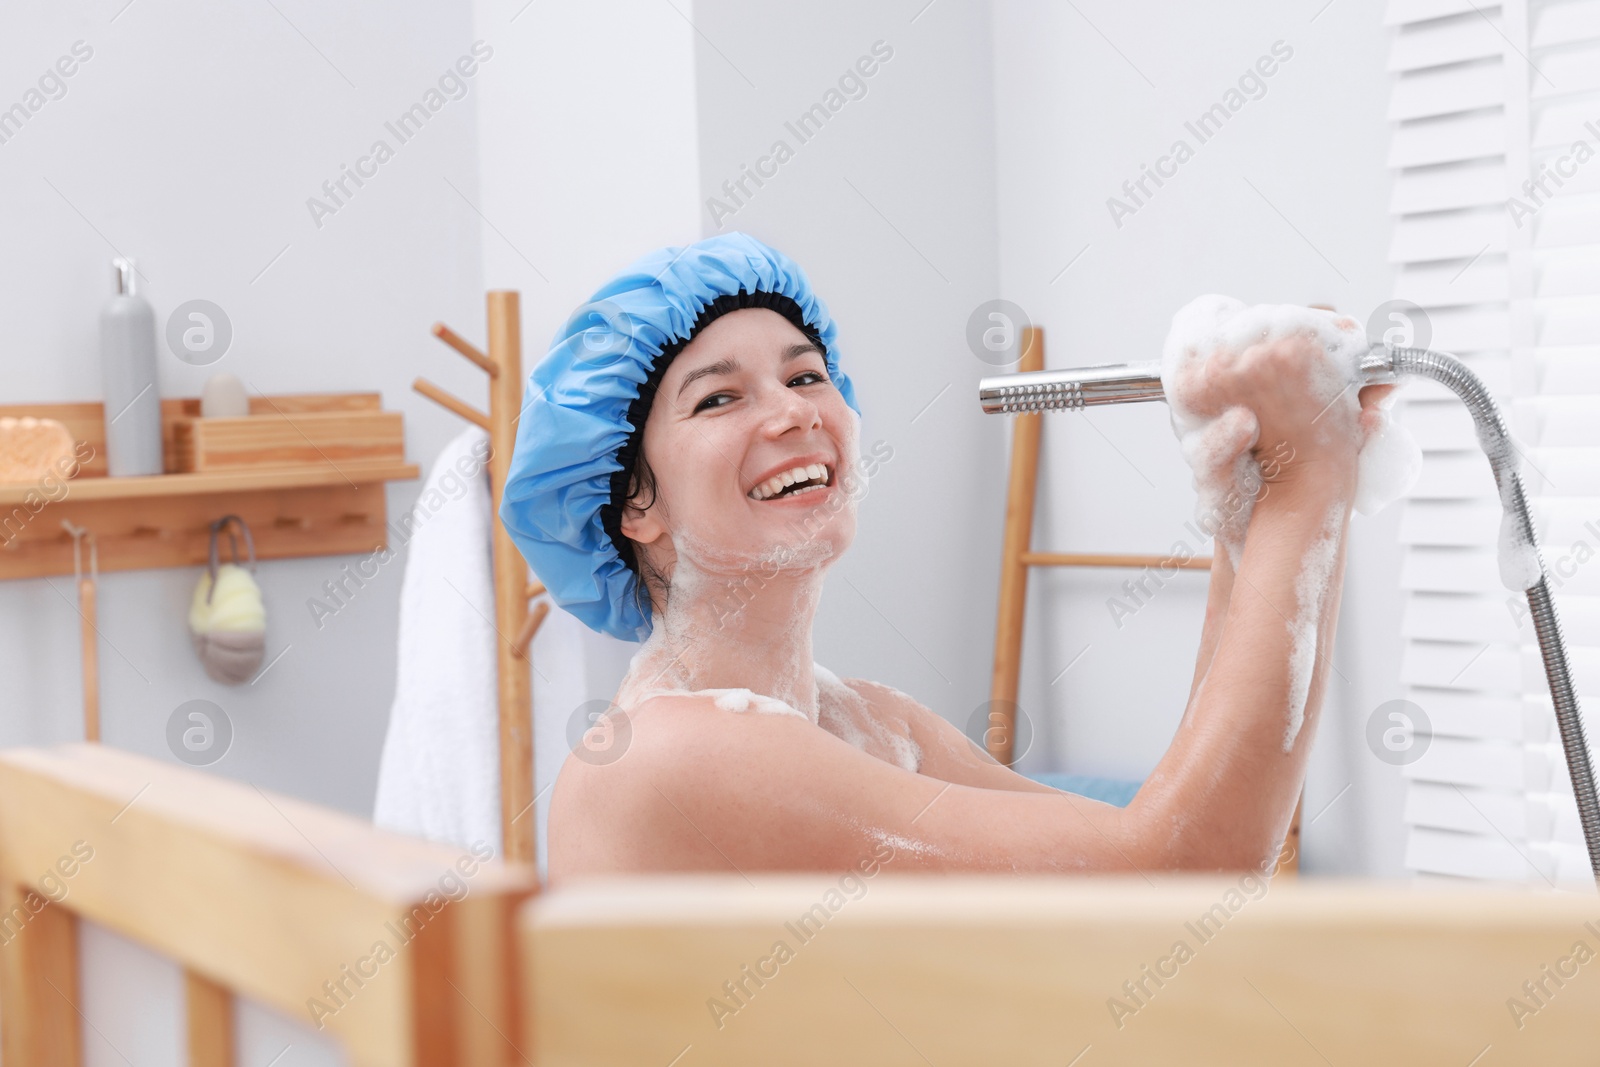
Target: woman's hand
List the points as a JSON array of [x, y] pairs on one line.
[[1300, 413]]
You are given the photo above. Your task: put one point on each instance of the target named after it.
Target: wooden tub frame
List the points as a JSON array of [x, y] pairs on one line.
[[273, 898]]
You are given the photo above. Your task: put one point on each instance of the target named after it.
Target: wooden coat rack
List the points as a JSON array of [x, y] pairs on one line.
[[514, 623]]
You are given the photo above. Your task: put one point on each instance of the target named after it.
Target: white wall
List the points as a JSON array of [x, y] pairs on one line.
[[1285, 204], [890, 209]]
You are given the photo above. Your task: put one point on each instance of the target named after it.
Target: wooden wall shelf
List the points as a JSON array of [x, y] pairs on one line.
[[351, 475], [164, 520]]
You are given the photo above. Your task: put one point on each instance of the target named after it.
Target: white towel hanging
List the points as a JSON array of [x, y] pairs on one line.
[[439, 776]]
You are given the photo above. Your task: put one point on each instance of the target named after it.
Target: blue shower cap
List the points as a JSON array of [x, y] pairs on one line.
[[582, 408]]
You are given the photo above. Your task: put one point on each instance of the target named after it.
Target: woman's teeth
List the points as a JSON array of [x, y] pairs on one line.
[[775, 485]]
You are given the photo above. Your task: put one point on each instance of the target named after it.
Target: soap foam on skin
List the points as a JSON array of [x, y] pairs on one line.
[[708, 590], [735, 700], [841, 711], [1217, 446], [847, 715], [1227, 476], [1312, 587], [1389, 463]]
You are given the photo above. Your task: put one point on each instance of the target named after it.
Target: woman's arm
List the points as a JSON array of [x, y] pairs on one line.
[[1220, 590], [950, 756], [1227, 785], [1253, 671], [1217, 596]]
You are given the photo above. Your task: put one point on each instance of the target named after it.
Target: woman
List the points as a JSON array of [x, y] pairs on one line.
[[686, 471]]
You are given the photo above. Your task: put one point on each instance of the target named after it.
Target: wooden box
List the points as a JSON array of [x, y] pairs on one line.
[[353, 429]]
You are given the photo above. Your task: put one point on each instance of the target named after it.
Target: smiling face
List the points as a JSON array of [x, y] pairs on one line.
[[753, 451]]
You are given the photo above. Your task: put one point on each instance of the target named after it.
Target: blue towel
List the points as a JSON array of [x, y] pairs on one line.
[[1111, 790]]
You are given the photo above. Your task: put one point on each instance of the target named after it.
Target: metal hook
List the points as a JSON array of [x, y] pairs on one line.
[[225, 525], [79, 533]]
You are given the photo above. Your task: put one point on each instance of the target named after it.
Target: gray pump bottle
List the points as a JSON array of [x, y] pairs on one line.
[[128, 377]]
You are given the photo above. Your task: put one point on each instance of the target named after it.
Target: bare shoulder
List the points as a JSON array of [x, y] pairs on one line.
[[688, 785], [886, 702], [666, 728], [628, 747], [644, 780], [945, 752], [672, 739], [894, 708]]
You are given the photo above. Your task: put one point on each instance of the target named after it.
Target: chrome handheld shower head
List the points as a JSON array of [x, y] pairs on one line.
[[1071, 390], [1113, 383]]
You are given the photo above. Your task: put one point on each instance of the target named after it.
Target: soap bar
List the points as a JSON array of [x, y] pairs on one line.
[[30, 448]]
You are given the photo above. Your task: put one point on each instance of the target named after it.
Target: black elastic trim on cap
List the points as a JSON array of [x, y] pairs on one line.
[[639, 408]]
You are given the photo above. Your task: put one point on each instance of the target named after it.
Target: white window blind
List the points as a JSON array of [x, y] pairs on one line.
[[1484, 99]]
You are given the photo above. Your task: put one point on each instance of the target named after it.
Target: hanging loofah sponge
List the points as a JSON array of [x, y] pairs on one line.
[[227, 618]]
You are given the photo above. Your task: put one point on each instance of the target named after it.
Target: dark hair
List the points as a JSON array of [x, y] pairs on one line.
[[634, 475]]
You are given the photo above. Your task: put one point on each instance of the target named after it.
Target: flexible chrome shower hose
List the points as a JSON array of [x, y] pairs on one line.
[[1081, 387], [1496, 440]]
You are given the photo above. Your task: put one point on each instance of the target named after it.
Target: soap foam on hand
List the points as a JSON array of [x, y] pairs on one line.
[[1218, 447]]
